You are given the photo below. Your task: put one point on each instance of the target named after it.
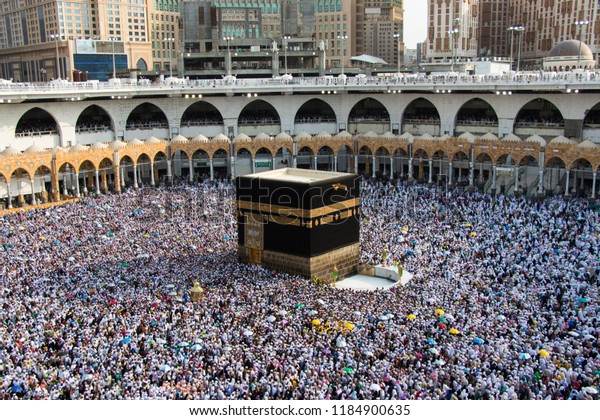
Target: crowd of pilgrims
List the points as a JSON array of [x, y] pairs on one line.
[[503, 304]]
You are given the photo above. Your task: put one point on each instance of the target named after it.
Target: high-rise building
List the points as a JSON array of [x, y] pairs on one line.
[[453, 30], [85, 35], [336, 30], [493, 24], [379, 29], [547, 23]]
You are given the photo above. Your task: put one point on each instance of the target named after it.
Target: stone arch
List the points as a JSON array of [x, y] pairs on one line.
[[592, 117], [421, 116], [201, 113], [476, 116], [94, 118], [482, 168], [147, 116], [304, 158], [580, 171], [37, 121], [257, 117], [539, 116], [283, 157], [141, 65], [368, 114], [325, 157], [315, 111], [420, 163], [20, 186]]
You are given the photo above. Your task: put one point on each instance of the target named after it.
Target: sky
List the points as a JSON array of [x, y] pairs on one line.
[[415, 22]]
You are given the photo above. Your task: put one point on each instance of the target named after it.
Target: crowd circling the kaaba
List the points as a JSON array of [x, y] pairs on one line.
[[94, 302]]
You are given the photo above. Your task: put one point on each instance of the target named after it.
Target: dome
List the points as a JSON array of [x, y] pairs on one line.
[[10, 151], [370, 135], [570, 48], [323, 135], [283, 137], [343, 135], [220, 138], [180, 139], [200, 138], [118, 144], [35, 149], [153, 140], [78, 148], [303, 136], [135, 142], [262, 136], [98, 146], [242, 138]]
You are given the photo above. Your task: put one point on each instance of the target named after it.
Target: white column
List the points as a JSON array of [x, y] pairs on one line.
[[191, 160], [594, 185], [212, 169], [8, 192], [335, 158], [401, 167], [65, 192], [77, 193], [272, 162], [480, 172], [85, 178], [568, 173], [152, 180], [356, 164], [169, 170], [450, 173], [252, 167], [32, 192], [373, 166], [430, 171], [391, 167], [232, 165], [494, 178], [541, 181], [471, 173], [516, 179], [410, 168], [315, 161], [97, 174], [122, 177], [135, 177]]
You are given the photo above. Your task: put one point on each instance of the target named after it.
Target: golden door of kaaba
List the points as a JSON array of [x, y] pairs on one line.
[[254, 237]]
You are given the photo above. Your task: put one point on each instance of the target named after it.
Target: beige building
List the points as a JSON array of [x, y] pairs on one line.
[[550, 22], [84, 35], [336, 31], [494, 38], [379, 29], [453, 29]]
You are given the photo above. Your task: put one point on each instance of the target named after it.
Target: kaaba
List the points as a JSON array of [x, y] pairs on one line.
[[299, 221]]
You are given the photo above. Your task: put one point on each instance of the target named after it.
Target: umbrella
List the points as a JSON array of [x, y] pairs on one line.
[[524, 356], [411, 317], [573, 334], [282, 312], [500, 318], [17, 388], [183, 344], [173, 293], [468, 225], [439, 311], [349, 326], [321, 301], [383, 318], [248, 333], [431, 341], [375, 387], [473, 234], [170, 286], [544, 353], [299, 305], [71, 259], [477, 340], [584, 300], [443, 320], [126, 340], [369, 353], [404, 229], [196, 347], [271, 318], [590, 390], [161, 341], [313, 312], [454, 331], [434, 351], [348, 370], [340, 342], [316, 322], [357, 313], [326, 350], [165, 368]]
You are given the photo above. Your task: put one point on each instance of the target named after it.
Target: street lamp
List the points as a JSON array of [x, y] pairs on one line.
[[228, 39], [343, 38], [397, 36], [43, 73], [112, 40], [285, 47], [452, 35], [56, 37], [169, 39], [520, 30], [581, 24]]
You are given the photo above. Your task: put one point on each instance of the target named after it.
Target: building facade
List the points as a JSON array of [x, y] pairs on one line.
[[379, 29], [493, 23], [44, 40], [335, 31], [453, 30]]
